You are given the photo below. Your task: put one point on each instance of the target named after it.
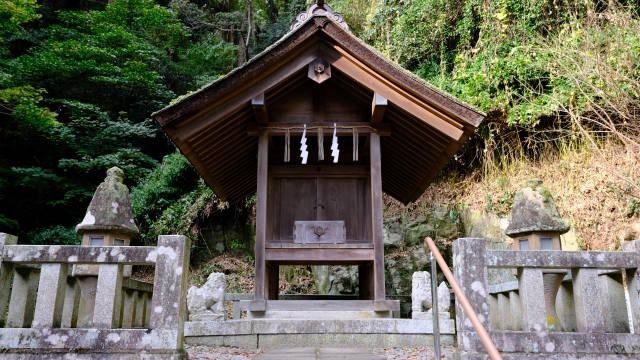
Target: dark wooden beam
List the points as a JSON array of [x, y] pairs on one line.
[[260, 109], [315, 255], [378, 108], [278, 129]]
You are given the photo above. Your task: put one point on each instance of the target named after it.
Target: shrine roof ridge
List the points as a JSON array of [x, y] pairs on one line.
[[165, 117]]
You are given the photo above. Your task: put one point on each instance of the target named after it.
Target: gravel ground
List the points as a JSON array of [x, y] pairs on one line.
[[229, 353]]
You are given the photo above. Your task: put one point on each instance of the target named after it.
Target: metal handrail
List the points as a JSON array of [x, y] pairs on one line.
[[485, 339]]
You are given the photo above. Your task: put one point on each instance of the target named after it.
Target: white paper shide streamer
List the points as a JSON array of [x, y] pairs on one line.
[[335, 152], [304, 154]]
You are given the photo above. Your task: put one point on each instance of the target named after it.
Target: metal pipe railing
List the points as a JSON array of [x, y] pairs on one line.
[[434, 309], [485, 339]]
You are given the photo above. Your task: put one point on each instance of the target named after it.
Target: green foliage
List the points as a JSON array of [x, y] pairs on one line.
[[76, 92], [181, 217], [207, 60], [633, 208], [24, 104], [13, 14], [55, 235], [162, 190]]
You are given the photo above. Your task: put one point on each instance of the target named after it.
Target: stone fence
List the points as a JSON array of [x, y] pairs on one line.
[[597, 302], [48, 306]]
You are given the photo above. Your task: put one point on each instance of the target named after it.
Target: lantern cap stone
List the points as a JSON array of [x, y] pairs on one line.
[[110, 207], [534, 210]]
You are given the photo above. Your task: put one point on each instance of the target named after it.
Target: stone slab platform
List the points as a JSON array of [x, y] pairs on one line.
[[276, 334], [320, 354], [530, 356]]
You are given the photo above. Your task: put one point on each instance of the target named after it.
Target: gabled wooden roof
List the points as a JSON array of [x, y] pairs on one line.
[[210, 126]]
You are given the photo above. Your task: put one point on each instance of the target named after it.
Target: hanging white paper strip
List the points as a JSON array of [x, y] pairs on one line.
[[335, 152], [304, 154]]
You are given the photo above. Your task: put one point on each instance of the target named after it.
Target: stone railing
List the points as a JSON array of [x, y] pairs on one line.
[[46, 309], [598, 297]]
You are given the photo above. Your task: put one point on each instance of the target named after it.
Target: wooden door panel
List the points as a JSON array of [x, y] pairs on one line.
[[345, 199], [292, 199]]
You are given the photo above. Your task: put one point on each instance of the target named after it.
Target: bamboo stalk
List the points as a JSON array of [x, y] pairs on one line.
[[485, 339]]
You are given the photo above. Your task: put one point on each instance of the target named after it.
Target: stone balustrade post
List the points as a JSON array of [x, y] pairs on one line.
[[23, 296], [588, 299], [515, 307], [494, 311], [633, 286], [141, 308], [531, 290], [106, 313], [71, 304], [6, 276], [168, 305], [566, 307], [616, 317], [88, 286], [504, 314], [129, 299], [470, 270], [50, 300]]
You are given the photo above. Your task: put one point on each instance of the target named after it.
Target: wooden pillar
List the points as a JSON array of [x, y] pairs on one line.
[[261, 223], [376, 217]]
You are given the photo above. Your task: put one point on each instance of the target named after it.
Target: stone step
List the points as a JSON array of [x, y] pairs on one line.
[[319, 354], [278, 334]]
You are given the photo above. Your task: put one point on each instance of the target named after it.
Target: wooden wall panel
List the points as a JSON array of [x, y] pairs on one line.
[[345, 199], [335, 197], [328, 102], [294, 199]]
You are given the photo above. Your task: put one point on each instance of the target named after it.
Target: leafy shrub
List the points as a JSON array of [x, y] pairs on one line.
[[55, 235], [161, 190]]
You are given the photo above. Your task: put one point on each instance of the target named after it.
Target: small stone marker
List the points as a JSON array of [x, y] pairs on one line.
[[421, 299], [444, 298]]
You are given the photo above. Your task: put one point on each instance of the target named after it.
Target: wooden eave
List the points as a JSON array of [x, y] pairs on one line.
[[210, 126]]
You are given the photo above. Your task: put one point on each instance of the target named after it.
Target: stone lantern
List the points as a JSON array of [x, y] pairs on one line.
[[535, 221], [107, 222], [537, 225]]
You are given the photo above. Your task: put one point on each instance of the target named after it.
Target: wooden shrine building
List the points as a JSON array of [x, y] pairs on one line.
[[248, 132]]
